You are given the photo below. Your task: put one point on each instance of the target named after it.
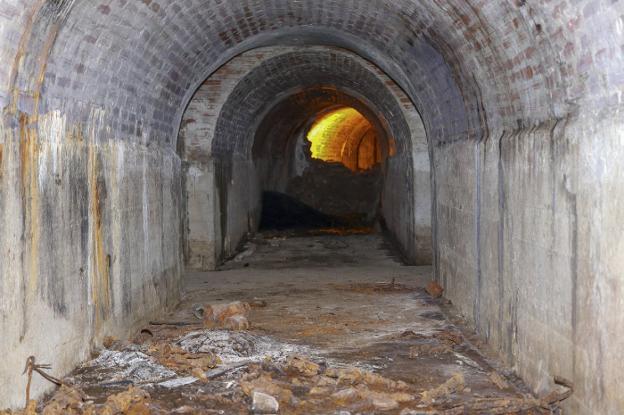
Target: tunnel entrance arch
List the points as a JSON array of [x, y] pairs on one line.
[[220, 145], [329, 185]]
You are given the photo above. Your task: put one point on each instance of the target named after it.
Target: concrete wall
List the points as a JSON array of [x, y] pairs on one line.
[[476, 70], [529, 230], [88, 244], [406, 200], [89, 215]]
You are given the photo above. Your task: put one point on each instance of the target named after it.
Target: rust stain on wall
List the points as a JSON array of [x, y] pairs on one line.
[[29, 156], [21, 52], [101, 262]]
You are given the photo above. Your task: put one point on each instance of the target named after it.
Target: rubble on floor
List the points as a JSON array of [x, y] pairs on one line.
[[231, 371], [343, 344]]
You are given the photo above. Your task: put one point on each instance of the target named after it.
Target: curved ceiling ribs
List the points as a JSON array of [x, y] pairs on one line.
[[93, 92], [140, 62], [332, 77]]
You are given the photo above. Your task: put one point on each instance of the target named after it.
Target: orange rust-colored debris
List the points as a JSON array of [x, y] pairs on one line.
[[232, 316], [454, 384], [176, 358], [434, 289]]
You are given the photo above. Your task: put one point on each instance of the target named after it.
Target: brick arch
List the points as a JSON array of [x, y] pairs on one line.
[[522, 102], [256, 92], [252, 108]]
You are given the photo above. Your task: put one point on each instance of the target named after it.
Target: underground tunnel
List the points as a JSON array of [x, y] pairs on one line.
[[262, 131], [387, 206]]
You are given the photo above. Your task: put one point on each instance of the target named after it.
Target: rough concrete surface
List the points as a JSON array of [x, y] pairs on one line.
[[344, 334], [521, 103]]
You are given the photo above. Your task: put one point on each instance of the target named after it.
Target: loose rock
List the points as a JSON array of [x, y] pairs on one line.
[[454, 384], [132, 401], [434, 289], [346, 396], [237, 322], [220, 315], [499, 381], [264, 403], [302, 366], [65, 401]]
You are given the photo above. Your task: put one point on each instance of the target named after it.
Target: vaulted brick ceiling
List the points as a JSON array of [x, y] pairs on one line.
[[470, 66], [295, 87]]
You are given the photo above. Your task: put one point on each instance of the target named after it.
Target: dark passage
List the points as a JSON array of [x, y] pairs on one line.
[[281, 212]]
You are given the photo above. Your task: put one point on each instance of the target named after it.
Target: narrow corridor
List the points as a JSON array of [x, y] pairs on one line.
[[337, 325], [314, 200]]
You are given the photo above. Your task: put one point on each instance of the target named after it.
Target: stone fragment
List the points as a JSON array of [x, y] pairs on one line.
[[199, 374], [499, 381], [258, 303], [132, 401], [179, 359], [408, 411], [66, 400], [321, 391], [434, 289], [454, 384], [178, 382], [249, 251], [346, 396], [186, 409], [237, 322], [378, 381], [109, 341], [30, 409], [325, 381], [216, 315], [384, 402], [263, 403], [265, 384], [143, 337], [302, 366], [348, 376]]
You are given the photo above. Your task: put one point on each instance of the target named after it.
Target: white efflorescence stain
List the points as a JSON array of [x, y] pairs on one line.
[[52, 128]]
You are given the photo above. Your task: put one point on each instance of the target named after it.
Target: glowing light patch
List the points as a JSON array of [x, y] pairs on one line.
[[345, 136]]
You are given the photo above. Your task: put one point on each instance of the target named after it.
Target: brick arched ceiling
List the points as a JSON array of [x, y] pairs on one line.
[[294, 87], [470, 66], [297, 113]]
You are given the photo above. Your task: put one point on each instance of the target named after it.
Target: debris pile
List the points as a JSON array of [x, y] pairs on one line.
[[180, 360], [232, 316], [237, 346], [216, 365], [130, 366], [300, 385], [73, 401]]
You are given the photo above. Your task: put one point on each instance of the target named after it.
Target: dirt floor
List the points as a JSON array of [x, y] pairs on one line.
[[302, 324]]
